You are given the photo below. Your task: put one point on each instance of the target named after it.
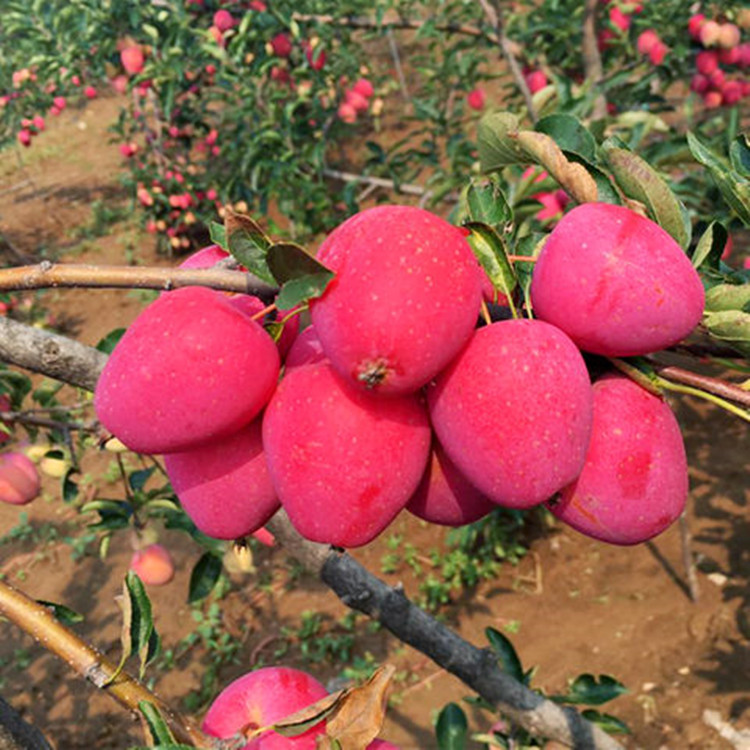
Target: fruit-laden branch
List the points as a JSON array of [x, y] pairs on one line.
[[39, 621], [54, 275], [360, 590]]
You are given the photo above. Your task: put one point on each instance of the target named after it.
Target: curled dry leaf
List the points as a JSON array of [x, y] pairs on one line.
[[573, 177]]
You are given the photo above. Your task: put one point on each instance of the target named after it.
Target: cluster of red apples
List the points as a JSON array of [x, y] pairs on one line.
[[396, 396]]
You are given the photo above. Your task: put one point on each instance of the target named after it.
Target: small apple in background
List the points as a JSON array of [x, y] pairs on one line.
[[476, 99], [535, 80], [90, 92], [19, 479], [347, 113], [132, 59], [223, 20], [153, 565]]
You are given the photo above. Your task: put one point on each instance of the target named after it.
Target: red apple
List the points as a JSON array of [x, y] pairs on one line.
[[476, 99], [634, 483], [513, 411], [404, 301], [132, 60], [315, 425], [616, 282], [153, 565], [19, 479]]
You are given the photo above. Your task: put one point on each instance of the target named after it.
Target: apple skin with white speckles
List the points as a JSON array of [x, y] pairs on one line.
[[634, 483], [225, 486], [445, 496], [343, 462], [189, 369], [514, 410], [404, 301], [616, 282]]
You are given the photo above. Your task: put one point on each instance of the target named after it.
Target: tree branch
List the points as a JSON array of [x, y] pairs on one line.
[[40, 623], [55, 275], [492, 14], [717, 386], [592, 60], [361, 590]]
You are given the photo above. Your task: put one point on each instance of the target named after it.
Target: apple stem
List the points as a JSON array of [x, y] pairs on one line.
[[262, 313], [522, 258], [485, 313]]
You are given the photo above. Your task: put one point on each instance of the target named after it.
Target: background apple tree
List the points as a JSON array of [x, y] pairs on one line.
[[257, 126]]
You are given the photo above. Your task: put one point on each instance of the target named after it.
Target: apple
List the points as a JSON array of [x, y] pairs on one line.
[[225, 486], [476, 99], [344, 463], [634, 483], [153, 565], [404, 300], [172, 384], [132, 59], [513, 411], [616, 282], [19, 479]]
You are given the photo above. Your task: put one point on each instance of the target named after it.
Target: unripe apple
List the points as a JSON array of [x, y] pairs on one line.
[[19, 479], [513, 411], [729, 36], [172, 383], [634, 482], [709, 33], [224, 486], [616, 282], [445, 496], [153, 565], [259, 699], [132, 60], [404, 301], [343, 462]]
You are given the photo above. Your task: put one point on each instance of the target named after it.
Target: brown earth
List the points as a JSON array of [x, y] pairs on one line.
[[571, 606]]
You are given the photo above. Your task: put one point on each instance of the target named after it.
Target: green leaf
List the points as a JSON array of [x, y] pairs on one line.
[[641, 182], [739, 155], [301, 276], [452, 728], [138, 634], [204, 577], [248, 244], [69, 487], [710, 246], [64, 614], [733, 187], [157, 726], [569, 134], [492, 254], [15, 384], [110, 341], [138, 479], [497, 143], [486, 203], [218, 234], [610, 724], [506, 653], [586, 689], [731, 327], [728, 297]]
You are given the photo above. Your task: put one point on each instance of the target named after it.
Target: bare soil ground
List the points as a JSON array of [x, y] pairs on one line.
[[571, 606]]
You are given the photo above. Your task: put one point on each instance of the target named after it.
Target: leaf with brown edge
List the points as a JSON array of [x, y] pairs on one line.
[[640, 181], [300, 721], [574, 178], [358, 716]]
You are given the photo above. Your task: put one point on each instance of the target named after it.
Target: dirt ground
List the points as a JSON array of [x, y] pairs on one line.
[[573, 605]]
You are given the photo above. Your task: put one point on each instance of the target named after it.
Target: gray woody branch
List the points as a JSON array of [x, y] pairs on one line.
[[69, 361]]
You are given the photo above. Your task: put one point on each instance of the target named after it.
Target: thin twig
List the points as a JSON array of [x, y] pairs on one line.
[[397, 62], [386, 184], [592, 60], [21, 417], [716, 386], [688, 560], [39, 622]]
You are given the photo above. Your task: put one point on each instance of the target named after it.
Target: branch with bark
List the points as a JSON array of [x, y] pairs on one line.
[[351, 582]]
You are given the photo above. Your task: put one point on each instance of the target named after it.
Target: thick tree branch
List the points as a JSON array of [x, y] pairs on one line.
[[361, 590], [55, 275], [40, 623]]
